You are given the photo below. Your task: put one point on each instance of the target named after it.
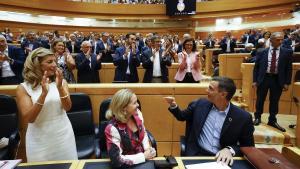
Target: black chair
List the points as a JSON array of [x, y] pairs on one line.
[[103, 122], [9, 127], [81, 118]]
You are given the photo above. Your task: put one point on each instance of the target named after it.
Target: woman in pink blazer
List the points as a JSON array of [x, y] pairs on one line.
[[189, 70]]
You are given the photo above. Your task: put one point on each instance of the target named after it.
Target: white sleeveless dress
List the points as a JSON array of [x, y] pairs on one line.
[[50, 137]]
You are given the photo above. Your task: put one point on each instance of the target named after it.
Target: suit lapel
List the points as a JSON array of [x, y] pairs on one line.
[[228, 120]]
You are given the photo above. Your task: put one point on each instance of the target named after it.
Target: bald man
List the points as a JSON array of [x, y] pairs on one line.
[[11, 63], [272, 72]]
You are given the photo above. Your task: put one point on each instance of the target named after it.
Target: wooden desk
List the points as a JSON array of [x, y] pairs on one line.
[[208, 60], [49, 165], [107, 72], [296, 92], [239, 163]]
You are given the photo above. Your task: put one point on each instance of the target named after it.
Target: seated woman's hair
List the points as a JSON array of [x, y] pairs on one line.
[[32, 72], [118, 103]]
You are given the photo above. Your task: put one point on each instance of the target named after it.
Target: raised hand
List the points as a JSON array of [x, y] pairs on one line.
[[58, 78], [45, 83], [99, 56], [133, 47], [170, 100]]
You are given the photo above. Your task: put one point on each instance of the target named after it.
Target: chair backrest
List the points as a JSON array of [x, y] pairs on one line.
[[103, 108], [81, 115], [8, 115]]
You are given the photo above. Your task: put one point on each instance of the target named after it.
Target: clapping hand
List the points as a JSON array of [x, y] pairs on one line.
[[99, 56], [58, 78], [45, 83], [133, 47]]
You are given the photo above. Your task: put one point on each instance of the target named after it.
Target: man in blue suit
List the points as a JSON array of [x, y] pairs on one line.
[[272, 72], [106, 48], [216, 126], [87, 64], [293, 42], [11, 63], [30, 43], [127, 60]]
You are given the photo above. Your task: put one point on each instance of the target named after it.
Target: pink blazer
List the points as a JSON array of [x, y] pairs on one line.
[[195, 67]]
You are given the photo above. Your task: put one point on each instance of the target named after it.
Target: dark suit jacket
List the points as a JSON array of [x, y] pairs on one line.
[[288, 42], [251, 39], [223, 45], [85, 73], [208, 44], [122, 64], [18, 55], [106, 55], [237, 130], [148, 65], [25, 43], [76, 46], [284, 66]]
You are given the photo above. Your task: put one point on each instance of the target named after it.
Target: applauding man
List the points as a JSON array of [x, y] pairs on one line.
[[88, 64], [127, 60]]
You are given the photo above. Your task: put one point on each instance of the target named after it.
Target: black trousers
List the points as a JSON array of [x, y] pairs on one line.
[[270, 83], [188, 78], [13, 80]]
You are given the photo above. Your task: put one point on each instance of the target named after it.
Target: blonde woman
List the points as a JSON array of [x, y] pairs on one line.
[[43, 100], [126, 138]]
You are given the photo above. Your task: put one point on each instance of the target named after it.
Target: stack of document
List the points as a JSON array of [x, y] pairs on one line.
[[209, 165], [9, 164]]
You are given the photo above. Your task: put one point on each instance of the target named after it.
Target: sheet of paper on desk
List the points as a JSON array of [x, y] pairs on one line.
[[209, 165], [9, 164]]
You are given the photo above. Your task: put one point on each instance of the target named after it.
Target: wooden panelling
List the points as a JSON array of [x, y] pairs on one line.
[[203, 9], [230, 66], [297, 94], [208, 60], [249, 93]]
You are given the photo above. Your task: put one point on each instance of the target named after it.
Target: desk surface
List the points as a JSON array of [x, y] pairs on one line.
[[239, 163]]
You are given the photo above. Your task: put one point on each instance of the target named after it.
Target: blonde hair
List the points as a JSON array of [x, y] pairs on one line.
[[32, 72], [119, 101]]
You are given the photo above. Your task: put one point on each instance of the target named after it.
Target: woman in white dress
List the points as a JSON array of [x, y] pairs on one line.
[[43, 100]]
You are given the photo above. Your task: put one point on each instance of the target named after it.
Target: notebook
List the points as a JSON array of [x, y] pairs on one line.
[[9, 164]]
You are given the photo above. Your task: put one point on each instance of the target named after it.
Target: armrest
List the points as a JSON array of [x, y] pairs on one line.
[[152, 140], [14, 138], [182, 145], [97, 148], [97, 132]]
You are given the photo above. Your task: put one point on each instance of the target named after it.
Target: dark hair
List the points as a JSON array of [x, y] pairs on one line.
[[128, 35], [226, 84], [266, 33], [190, 40], [153, 38]]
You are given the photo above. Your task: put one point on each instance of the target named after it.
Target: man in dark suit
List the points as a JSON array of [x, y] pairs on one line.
[[273, 72], [106, 48], [30, 43], [87, 64], [217, 127], [228, 44], [292, 42], [155, 61], [73, 45], [11, 63], [127, 60], [210, 42]]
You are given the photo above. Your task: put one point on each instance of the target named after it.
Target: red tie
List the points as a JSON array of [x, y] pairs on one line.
[[273, 61]]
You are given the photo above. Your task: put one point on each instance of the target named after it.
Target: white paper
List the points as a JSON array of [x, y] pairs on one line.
[[209, 165], [9, 164]]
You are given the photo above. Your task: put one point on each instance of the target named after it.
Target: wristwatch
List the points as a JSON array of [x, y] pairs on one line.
[[231, 150]]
